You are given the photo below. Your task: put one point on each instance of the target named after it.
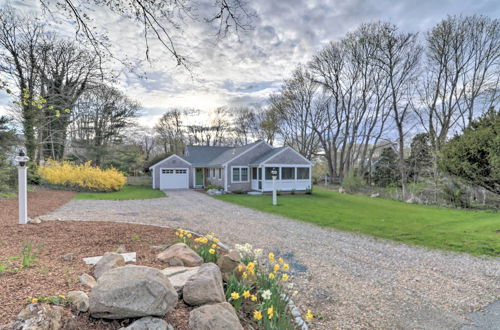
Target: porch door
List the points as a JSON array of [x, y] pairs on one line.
[[199, 177], [256, 178]]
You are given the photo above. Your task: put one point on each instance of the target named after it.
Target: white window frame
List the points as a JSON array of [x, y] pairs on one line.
[[240, 181], [213, 173]]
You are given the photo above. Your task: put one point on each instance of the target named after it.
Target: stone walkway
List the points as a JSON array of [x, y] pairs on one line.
[[353, 281]]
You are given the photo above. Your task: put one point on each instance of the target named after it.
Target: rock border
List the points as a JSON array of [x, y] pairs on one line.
[[294, 311]]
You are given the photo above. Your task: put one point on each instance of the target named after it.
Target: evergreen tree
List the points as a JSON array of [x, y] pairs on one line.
[[475, 155], [386, 168]]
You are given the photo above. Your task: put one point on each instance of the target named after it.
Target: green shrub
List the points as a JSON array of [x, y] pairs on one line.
[[238, 191], [352, 182]]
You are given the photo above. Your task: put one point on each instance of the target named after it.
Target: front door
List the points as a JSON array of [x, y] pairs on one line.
[[199, 177]]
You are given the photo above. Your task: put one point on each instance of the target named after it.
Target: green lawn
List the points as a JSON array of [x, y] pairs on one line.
[[475, 232], [128, 192]]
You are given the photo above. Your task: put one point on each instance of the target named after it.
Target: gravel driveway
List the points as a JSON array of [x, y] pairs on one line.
[[354, 281]]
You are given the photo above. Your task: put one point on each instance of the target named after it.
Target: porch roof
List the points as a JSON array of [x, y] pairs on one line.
[[261, 159]]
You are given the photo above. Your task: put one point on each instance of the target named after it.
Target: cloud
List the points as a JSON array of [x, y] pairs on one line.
[[245, 70]]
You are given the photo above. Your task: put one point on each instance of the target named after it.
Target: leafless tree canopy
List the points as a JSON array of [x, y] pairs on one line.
[[160, 19]]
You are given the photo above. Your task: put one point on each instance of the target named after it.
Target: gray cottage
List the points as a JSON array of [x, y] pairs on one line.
[[244, 168]]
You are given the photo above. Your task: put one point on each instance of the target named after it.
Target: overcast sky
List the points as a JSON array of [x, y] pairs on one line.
[[243, 72]]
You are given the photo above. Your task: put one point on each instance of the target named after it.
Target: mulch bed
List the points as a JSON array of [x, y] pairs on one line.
[[51, 275]]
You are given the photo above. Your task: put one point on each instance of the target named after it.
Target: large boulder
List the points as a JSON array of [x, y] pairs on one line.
[[204, 287], [149, 323], [179, 275], [132, 291], [79, 301], [180, 255], [108, 261], [219, 316], [228, 263]]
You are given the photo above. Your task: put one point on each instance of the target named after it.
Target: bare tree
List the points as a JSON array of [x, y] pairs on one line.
[[19, 40], [398, 56], [295, 108], [170, 130], [100, 119], [160, 19], [461, 74], [244, 124]]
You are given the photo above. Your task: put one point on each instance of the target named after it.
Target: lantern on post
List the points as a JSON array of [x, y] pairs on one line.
[[22, 171], [274, 174]]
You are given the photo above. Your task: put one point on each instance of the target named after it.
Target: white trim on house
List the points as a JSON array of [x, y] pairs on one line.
[[173, 155], [244, 152], [240, 167], [153, 175], [287, 148], [225, 177], [288, 184]]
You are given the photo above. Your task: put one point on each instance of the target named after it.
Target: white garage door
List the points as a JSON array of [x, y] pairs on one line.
[[174, 178]]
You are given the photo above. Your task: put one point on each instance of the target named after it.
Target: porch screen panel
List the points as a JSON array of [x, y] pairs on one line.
[[287, 173], [303, 173]]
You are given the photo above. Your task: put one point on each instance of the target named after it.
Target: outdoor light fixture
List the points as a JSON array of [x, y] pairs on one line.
[[22, 171], [22, 159], [274, 173]]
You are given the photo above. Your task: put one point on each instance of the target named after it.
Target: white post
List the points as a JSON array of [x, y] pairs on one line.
[[274, 173], [23, 199]]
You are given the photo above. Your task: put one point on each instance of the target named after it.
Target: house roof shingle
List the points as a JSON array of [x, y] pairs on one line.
[[262, 158], [214, 156]]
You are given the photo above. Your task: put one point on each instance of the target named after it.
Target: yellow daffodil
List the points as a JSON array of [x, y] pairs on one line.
[[177, 233], [270, 312], [189, 235], [309, 315], [253, 297], [271, 276], [246, 294], [281, 261], [62, 297], [286, 267], [216, 240], [235, 295], [34, 300], [257, 315], [240, 268], [276, 267], [244, 275], [211, 251], [271, 257], [214, 246], [284, 277]]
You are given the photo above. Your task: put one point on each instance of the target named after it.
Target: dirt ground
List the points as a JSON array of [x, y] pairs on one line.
[[50, 274]]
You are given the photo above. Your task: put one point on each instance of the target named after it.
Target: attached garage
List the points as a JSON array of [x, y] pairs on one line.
[[174, 178], [173, 172]]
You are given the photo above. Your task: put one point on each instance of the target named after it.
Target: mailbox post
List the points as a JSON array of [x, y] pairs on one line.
[[274, 173], [22, 171]]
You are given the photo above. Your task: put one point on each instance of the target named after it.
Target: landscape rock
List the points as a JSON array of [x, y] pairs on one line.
[[79, 300], [219, 316], [413, 200], [342, 190], [178, 276], [109, 261], [132, 291], [228, 263], [180, 252], [149, 323], [35, 220], [375, 195], [214, 192], [41, 316], [87, 280], [68, 257], [204, 287]]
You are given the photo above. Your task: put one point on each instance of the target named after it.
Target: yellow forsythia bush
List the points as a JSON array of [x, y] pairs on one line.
[[82, 176]]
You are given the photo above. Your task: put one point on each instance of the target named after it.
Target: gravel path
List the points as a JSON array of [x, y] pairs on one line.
[[354, 281]]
